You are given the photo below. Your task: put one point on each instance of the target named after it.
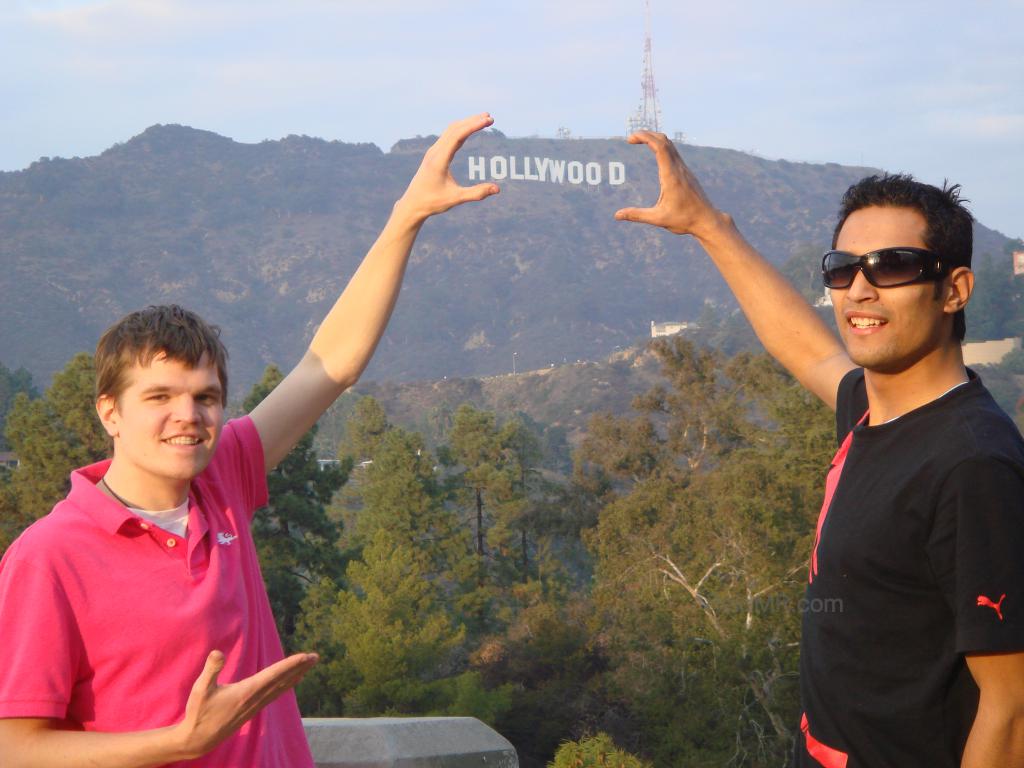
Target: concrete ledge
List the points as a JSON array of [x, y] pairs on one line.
[[407, 742]]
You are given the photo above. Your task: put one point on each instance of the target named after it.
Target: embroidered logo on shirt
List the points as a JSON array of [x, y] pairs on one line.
[[982, 600], [225, 538]]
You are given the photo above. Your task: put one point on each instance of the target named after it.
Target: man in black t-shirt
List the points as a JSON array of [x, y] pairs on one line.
[[912, 646]]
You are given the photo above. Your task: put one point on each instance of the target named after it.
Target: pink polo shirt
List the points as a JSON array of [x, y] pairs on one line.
[[106, 621]]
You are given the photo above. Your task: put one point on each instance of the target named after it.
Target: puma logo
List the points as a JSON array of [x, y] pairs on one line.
[[227, 538], [982, 600]]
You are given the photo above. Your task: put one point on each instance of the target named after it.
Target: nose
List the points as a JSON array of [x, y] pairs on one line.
[[186, 409], [860, 289]]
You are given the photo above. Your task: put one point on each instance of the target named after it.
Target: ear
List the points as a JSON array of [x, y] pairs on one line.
[[958, 289], [106, 409]]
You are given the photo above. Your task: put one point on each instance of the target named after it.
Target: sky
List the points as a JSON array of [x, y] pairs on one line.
[[932, 88]]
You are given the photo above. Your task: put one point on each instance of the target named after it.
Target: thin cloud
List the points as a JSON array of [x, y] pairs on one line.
[[121, 20], [983, 127]]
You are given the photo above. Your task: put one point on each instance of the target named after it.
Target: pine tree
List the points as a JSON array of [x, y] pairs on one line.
[[294, 536], [12, 383], [400, 493], [389, 645], [54, 435], [11, 522], [364, 430], [496, 483]]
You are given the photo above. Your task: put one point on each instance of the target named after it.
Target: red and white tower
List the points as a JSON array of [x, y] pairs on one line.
[[648, 114]]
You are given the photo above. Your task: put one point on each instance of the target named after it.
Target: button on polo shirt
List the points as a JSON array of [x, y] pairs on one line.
[[108, 620]]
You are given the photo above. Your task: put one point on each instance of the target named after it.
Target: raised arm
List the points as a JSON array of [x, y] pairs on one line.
[[787, 326], [342, 347]]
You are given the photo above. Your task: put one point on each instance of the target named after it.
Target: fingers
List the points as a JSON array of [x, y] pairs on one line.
[[643, 215], [665, 153], [644, 137], [478, 192], [432, 189], [212, 668], [455, 135], [266, 685], [279, 673], [652, 139]]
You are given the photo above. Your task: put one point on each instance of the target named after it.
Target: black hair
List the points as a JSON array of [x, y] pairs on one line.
[[949, 228]]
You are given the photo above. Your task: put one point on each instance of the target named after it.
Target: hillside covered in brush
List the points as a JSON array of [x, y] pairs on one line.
[[260, 238]]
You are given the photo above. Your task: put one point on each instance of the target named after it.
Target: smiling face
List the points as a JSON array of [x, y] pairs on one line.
[[889, 329], [165, 425]]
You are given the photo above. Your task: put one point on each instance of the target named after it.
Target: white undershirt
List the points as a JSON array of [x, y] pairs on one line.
[[968, 381], [172, 520]]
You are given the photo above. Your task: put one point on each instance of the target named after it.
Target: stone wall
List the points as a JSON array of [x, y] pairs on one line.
[[407, 742]]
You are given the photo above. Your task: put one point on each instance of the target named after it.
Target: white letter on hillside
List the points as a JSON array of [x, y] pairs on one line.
[[499, 167], [593, 174], [476, 169], [526, 170], [575, 172], [616, 173], [512, 173], [557, 171]]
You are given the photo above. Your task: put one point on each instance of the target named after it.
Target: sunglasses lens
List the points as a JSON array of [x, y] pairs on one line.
[[839, 269], [894, 266], [883, 268]]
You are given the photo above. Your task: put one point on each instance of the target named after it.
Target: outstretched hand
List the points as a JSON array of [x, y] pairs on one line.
[[213, 711], [433, 190], [682, 207]]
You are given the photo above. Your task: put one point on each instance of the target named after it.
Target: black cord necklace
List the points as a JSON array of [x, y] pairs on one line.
[[114, 493]]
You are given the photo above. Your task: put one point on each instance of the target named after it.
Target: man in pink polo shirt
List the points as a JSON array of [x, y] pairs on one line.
[[136, 627]]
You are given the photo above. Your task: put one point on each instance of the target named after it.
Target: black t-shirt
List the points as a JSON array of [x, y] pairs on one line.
[[920, 560]]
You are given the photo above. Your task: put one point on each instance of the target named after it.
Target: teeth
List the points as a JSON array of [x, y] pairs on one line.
[[182, 441], [865, 322]]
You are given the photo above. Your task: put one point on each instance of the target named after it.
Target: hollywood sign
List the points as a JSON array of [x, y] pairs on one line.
[[514, 168]]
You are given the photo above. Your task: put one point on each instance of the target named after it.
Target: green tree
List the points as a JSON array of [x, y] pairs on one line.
[[494, 471], [392, 627], [364, 431], [12, 383], [995, 310], [550, 655], [389, 643], [486, 469], [709, 503], [597, 751], [11, 522], [294, 536], [400, 493], [54, 435], [390, 632]]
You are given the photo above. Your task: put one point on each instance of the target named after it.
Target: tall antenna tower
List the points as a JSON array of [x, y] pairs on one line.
[[648, 114]]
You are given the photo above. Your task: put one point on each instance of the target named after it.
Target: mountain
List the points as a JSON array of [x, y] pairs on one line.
[[557, 402], [260, 239]]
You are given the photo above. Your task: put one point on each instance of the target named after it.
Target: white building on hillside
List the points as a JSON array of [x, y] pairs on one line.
[[671, 328]]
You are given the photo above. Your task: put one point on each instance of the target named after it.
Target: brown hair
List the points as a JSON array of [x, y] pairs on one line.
[[170, 330]]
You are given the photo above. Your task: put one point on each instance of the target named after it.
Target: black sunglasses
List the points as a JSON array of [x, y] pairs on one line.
[[884, 268]]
